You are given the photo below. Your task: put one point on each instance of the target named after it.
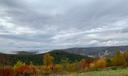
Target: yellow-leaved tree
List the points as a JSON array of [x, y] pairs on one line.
[[126, 57], [48, 59], [18, 64], [48, 63], [118, 59]]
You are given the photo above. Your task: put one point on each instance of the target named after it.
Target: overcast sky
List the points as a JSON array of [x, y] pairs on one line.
[[55, 24]]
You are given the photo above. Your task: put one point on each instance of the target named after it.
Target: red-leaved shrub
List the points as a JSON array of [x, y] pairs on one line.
[[25, 70], [6, 71]]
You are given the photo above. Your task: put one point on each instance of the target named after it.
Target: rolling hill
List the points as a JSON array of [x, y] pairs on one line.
[[37, 59]]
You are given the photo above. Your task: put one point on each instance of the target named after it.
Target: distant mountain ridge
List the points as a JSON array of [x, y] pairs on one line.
[[96, 51], [85, 51]]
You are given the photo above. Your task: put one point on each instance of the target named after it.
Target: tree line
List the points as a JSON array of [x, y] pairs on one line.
[[119, 59]]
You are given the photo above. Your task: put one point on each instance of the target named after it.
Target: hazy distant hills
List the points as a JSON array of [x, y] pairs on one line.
[[73, 54], [96, 51]]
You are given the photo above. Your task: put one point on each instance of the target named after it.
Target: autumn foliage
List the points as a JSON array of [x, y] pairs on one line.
[[65, 66], [24, 69], [100, 63], [118, 59], [6, 71], [48, 59]]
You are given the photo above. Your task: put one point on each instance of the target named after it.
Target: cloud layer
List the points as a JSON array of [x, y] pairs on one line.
[[53, 24]]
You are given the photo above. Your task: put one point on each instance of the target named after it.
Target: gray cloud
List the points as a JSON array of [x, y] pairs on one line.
[[48, 24]]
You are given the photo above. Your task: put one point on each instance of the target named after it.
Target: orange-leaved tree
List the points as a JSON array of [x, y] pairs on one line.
[[101, 62]]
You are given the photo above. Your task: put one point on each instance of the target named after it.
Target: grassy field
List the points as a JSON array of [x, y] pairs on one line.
[[120, 72]]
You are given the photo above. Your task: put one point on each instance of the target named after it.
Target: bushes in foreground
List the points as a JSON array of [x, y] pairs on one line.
[[18, 70], [25, 70], [7, 71]]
